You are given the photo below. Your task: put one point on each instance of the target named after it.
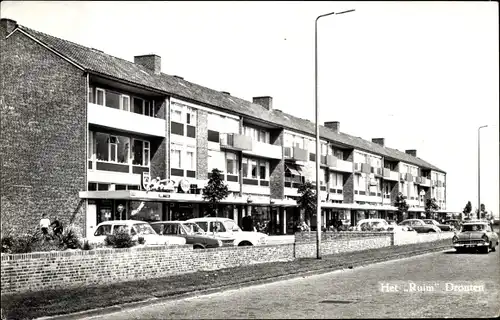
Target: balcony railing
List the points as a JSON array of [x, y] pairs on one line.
[[125, 120], [265, 150], [425, 182], [295, 153], [235, 141], [365, 168]]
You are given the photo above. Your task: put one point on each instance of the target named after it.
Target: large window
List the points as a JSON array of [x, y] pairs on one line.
[[255, 169], [232, 164], [118, 100], [141, 153], [182, 120], [112, 148], [143, 107], [336, 180], [176, 156], [256, 134], [183, 160]]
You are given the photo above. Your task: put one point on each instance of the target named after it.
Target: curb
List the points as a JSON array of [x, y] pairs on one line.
[[149, 301]]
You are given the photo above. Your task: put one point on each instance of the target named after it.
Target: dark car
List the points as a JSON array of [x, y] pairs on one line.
[[419, 225], [193, 234], [476, 235], [442, 226]]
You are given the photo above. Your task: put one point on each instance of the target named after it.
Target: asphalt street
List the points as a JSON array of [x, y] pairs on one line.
[[443, 284]]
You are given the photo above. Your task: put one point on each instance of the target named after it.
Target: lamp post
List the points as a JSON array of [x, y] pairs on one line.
[[318, 157], [479, 171]]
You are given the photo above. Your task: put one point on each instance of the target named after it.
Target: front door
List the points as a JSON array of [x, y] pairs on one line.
[[91, 219]]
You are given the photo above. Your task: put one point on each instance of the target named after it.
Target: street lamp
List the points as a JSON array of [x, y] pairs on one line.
[[479, 171], [318, 157]]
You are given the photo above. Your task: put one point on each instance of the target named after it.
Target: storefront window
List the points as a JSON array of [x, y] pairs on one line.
[[146, 210]]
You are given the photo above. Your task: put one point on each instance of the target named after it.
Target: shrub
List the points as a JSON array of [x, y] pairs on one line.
[[141, 240], [86, 245], [70, 238], [7, 244], [121, 239]]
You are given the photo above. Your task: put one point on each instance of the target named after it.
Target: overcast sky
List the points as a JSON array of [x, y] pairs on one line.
[[422, 75]]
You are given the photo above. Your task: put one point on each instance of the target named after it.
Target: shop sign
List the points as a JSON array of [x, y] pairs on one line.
[[156, 184], [184, 185]]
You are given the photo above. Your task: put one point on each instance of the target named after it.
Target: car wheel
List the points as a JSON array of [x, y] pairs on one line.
[[492, 247], [431, 231], [244, 244], [198, 247]]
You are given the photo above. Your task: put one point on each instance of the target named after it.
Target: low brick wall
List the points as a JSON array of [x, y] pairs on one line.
[[330, 235], [402, 238], [48, 270], [307, 249]]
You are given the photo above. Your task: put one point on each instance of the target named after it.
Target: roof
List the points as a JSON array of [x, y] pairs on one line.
[[98, 62]]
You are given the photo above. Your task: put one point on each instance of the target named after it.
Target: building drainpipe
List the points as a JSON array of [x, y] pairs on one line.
[[87, 84]]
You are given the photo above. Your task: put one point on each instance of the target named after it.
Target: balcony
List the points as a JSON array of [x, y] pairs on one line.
[[331, 161], [365, 168], [439, 183], [295, 153], [376, 171], [125, 120], [234, 141], [340, 165], [265, 150], [425, 182]]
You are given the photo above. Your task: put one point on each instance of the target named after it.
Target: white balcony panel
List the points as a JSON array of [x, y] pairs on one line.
[[365, 198], [114, 177], [175, 138], [336, 196], [233, 186], [125, 120], [344, 166], [386, 201], [213, 146], [256, 189], [393, 175], [291, 192], [265, 150]]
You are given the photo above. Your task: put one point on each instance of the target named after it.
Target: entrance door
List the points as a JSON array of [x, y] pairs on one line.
[[91, 219]]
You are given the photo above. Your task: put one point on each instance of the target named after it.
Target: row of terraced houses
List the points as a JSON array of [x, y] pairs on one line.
[[86, 136]]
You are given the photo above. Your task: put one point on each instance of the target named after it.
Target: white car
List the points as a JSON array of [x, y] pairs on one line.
[[379, 225], [227, 228], [136, 229]]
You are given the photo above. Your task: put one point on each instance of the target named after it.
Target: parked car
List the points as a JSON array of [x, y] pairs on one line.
[[442, 226], [378, 225], [419, 225], [476, 235], [192, 232], [224, 227], [136, 229], [456, 223]]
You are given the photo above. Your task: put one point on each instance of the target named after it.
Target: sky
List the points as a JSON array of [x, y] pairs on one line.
[[422, 75]]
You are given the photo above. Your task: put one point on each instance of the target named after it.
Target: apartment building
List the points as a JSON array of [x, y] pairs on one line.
[[90, 137]]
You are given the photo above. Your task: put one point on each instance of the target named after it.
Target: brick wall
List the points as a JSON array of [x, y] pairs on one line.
[[39, 271], [159, 154], [401, 238], [347, 244], [348, 192], [277, 168], [202, 145], [44, 132]]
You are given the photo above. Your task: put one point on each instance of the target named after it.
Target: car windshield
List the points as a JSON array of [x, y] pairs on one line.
[[192, 228], [473, 227], [429, 221], [143, 229]]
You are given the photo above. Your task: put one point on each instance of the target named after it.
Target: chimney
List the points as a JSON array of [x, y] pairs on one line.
[[411, 152], [149, 61], [266, 102], [379, 141], [7, 26], [334, 125]]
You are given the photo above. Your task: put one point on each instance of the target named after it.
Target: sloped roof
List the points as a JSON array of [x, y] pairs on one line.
[[101, 63]]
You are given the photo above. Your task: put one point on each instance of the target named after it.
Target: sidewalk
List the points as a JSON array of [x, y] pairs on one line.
[[66, 301]]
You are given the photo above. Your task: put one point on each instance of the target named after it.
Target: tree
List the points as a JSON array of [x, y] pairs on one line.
[[307, 199], [468, 209], [430, 208], [402, 206], [215, 190]]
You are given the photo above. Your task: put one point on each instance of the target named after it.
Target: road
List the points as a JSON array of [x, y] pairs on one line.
[[355, 293]]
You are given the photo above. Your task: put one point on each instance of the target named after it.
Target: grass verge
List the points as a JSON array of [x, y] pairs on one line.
[[31, 305]]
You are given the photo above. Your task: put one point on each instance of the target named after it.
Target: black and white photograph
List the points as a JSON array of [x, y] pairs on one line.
[[249, 159]]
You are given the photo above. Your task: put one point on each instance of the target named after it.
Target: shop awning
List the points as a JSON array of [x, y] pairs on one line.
[[294, 169]]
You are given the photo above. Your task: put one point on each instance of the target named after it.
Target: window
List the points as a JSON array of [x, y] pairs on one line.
[[216, 159], [253, 169], [182, 120], [190, 158], [100, 97], [203, 225], [217, 226], [175, 115], [298, 142], [112, 148], [103, 230], [231, 163], [324, 149], [175, 156], [256, 134], [125, 103], [262, 170], [190, 116], [141, 153]]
